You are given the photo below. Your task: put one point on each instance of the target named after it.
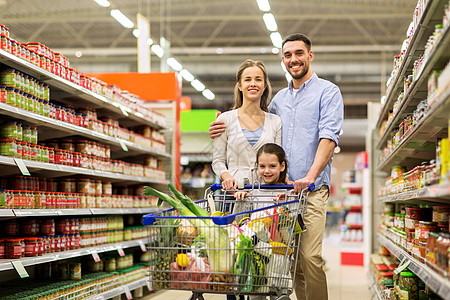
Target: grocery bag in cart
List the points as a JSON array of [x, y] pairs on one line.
[[213, 253]]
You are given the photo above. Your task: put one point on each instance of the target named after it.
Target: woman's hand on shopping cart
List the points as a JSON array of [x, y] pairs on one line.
[[229, 183], [280, 197], [241, 195]]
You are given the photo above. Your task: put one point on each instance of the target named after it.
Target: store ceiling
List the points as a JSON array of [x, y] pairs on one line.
[[354, 40]]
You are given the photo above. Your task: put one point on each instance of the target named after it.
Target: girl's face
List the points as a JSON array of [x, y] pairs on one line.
[[252, 83], [269, 168]]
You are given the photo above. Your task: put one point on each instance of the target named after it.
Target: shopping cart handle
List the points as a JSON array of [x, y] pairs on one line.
[[218, 186]]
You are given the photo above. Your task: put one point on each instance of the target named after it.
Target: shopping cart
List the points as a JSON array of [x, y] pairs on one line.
[[251, 250]]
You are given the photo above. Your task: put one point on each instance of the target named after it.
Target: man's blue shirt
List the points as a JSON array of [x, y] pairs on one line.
[[313, 113]]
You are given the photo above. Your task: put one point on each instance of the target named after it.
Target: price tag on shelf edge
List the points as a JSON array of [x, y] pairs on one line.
[[143, 248], [124, 147], [95, 256], [120, 250], [23, 169], [127, 292], [20, 269]]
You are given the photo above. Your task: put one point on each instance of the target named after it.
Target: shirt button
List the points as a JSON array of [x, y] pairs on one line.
[[292, 124]]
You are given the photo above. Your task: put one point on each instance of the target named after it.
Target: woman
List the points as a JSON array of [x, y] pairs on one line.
[[248, 127]]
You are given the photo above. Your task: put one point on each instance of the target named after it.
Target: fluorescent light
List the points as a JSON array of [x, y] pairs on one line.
[[103, 3], [198, 85], [121, 18], [136, 32], [270, 22], [208, 94], [263, 5], [276, 38], [186, 75], [149, 41], [174, 64], [158, 50], [275, 50]]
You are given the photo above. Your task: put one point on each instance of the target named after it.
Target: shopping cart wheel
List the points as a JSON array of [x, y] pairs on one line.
[[196, 296]]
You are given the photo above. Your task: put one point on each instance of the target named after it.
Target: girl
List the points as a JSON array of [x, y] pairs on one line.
[[272, 169], [271, 164]]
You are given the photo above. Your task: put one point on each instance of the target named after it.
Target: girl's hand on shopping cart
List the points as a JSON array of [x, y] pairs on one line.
[[229, 184], [241, 195], [280, 197]]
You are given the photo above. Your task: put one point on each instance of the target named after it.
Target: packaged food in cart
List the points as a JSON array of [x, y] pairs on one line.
[[208, 251]]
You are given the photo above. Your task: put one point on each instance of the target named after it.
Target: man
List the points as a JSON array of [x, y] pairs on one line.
[[311, 110]]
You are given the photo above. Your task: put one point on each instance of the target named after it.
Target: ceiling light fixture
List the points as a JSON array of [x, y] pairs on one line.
[[186, 75], [149, 41], [136, 32], [121, 18], [174, 64], [196, 84], [208, 94], [288, 77], [103, 3], [276, 39], [78, 54], [270, 22], [158, 50], [263, 5]]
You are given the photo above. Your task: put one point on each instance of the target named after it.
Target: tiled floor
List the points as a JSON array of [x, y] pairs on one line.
[[344, 282]]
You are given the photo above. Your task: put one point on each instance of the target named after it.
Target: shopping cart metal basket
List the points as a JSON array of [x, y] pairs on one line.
[[246, 247]]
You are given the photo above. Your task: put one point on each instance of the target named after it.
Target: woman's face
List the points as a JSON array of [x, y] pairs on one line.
[[269, 168], [252, 84]]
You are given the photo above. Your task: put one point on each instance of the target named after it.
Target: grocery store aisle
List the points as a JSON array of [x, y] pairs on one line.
[[344, 282]]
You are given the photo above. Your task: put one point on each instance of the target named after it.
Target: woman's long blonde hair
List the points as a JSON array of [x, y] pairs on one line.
[[265, 97]]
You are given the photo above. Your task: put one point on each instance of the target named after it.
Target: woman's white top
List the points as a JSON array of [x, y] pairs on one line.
[[233, 147]]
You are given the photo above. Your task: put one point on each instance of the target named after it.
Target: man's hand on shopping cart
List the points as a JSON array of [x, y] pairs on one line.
[[280, 197], [301, 184], [241, 195]]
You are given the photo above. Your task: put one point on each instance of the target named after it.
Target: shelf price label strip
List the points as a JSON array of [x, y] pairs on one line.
[[18, 266], [23, 169]]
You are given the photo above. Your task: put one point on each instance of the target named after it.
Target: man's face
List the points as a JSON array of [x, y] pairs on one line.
[[297, 59]]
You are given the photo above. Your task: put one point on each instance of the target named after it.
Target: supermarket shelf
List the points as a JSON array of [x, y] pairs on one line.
[[354, 208], [436, 60], [352, 185], [373, 285], [437, 283], [120, 290], [419, 144], [435, 192], [354, 226], [66, 170], [123, 211], [17, 212], [418, 39], [72, 89], [37, 119], [6, 264]]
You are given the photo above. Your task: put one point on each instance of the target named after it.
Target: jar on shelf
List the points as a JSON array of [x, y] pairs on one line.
[[442, 246], [48, 227], [31, 246], [9, 130], [13, 248], [8, 147], [2, 248], [408, 285]]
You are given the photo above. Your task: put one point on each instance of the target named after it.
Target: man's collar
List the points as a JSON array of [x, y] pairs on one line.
[[306, 84]]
